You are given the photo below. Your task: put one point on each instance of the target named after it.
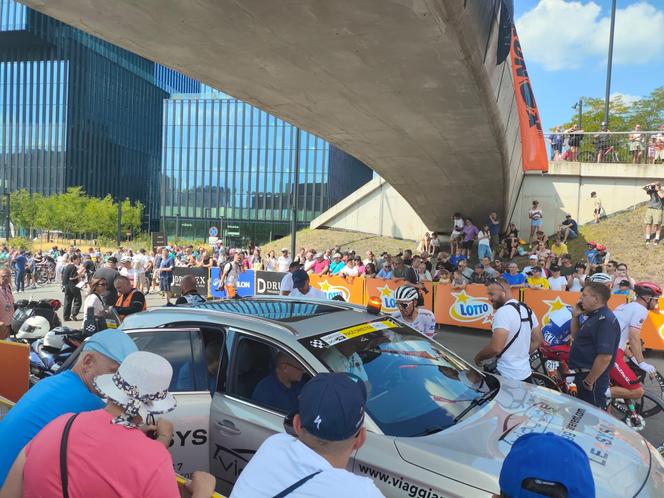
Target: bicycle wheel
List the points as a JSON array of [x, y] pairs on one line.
[[587, 157], [542, 380], [653, 385]]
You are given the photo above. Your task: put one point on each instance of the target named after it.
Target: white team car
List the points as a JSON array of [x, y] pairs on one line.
[[436, 425]]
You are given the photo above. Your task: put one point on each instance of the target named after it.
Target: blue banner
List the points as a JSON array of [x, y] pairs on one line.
[[245, 284]]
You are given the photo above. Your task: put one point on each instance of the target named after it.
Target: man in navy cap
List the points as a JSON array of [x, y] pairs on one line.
[[546, 465], [71, 391], [302, 287], [329, 424]]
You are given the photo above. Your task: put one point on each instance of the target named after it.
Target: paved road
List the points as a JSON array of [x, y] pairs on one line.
[[465, 342]]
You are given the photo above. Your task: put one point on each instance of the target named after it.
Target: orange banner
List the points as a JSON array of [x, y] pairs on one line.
[[385, 290], [351, 288], [533, 149], [467, 307], [652, 331], [545, 302], [14, 369]]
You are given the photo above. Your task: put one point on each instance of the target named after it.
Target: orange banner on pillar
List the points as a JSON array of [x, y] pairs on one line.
[[467, 307], [545, 302], [385, 290], [351, 288], [533, 149], [14, 369], [652, 331]]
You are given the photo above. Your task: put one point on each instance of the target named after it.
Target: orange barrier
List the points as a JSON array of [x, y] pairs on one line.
[[14, 369], [545, 302], [351, 289], [652, 331], [467, 307], [385, 290]]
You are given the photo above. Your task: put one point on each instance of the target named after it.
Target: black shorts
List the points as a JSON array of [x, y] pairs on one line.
[[467, 244]]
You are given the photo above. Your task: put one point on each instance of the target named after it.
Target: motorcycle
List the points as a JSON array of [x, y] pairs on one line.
[[26, 308]]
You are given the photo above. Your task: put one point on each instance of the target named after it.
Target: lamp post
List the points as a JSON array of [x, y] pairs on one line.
[[296, 192], [579, 107], [609, 63]]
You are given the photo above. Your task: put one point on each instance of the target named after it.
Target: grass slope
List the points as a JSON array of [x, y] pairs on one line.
[[325, 239], [623, 236]]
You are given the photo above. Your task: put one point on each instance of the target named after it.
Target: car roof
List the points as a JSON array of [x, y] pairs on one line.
[[274, 315]]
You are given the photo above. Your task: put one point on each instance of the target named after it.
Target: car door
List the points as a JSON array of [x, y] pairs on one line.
[[238, 424], [184, 350]]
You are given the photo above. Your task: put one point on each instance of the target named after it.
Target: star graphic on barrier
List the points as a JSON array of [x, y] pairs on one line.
[[462, 297], [385, 291], [324, 286], [555, 305]]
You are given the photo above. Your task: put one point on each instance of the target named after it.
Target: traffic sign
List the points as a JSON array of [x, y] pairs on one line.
[[232, 230], [213, 232]]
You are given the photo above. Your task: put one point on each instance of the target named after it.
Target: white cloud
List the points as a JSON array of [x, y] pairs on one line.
[[561, 34], [626, 98]]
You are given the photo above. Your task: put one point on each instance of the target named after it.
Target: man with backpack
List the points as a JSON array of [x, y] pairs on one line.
[[515, 334], [230, 273]]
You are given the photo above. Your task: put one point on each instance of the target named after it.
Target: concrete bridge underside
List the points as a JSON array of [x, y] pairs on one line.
[[410, 87]]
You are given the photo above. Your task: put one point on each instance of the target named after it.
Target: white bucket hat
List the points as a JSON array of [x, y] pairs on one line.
[[140, 387]]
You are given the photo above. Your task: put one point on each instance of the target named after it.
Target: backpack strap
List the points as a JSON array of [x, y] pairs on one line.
[[296, 485], [529, 319]]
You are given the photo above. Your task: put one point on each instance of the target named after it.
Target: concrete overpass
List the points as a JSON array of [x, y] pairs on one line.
[[410, 87]]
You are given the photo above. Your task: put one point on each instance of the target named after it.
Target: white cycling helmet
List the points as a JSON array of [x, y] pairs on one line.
[[406, 293], [601, 278], [34, 327], [53, 340]]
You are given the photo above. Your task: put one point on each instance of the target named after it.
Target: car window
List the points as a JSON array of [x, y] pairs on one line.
[[266, 375], [415, 387], [177, 349], [207, 347]]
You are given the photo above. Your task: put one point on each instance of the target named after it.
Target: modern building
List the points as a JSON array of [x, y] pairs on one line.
[[229, 165], [75, 110]]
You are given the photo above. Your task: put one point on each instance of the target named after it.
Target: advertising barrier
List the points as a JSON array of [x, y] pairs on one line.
[[245, 284], [545, 302], [652, 331], [385, 290], [201, 275], [351, 289], [268, 282], [14, 369], [467, 307]]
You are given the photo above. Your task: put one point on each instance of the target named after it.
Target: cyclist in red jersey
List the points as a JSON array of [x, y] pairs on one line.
[[631, 317]]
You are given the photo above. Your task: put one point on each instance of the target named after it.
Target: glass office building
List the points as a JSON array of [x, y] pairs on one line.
[[75, 110], [230, 165]]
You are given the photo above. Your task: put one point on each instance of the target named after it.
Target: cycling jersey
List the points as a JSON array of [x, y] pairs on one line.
[[425, 321], [629, 315]]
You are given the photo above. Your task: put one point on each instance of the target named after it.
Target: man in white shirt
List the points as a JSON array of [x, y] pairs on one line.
[[286, 285], [329, 424], [516, 333], [302, 287], [556, 281], [140, 260], [284, 261]]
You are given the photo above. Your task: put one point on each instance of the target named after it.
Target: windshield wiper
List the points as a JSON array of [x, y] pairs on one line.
[[476, 402]]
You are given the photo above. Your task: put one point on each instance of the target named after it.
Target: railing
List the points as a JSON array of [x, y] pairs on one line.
[[642, 147]]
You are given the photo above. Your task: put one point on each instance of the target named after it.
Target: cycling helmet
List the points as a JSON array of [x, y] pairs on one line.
[[592, 243], [601, 278], [600, 247], [406, 293], [34, 327], [53, 341], [647, 289]]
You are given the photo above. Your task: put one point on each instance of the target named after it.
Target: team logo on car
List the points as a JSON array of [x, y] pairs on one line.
[[467, 308], [334, 290]]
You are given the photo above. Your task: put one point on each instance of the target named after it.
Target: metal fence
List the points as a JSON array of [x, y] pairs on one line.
[[643, 147]]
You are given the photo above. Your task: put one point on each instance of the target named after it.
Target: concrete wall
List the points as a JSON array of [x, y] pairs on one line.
[[567, 187], [375, 208]]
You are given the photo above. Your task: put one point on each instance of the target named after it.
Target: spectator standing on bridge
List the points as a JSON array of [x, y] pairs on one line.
[[636, 144], [535, 215], [557, 140], [653, 218], [330, 427], [602, 143], [6, 303], [594, 343], [574, 139]]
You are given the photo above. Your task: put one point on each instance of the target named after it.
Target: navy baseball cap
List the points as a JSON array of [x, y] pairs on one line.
[[300, 277], [331, 406], [540, 462]]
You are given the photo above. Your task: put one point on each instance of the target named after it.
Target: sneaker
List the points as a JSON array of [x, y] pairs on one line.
[[656, 242], [647, 242]]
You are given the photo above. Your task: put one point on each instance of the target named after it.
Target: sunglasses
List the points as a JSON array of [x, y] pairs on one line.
[[403, 306]]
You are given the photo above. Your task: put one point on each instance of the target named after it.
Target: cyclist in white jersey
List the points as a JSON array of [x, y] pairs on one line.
[[418, 318]]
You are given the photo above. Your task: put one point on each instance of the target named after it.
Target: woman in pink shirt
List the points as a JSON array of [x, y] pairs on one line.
[[108, 454]]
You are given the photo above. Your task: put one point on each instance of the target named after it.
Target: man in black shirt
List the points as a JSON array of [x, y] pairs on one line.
[[109, 273], [70, 278]]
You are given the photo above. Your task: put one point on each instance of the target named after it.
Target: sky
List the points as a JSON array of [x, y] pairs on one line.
[[565, 45]]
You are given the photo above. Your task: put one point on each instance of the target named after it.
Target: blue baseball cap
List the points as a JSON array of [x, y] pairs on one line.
[[540, 461], [112, 343], [331, 406]]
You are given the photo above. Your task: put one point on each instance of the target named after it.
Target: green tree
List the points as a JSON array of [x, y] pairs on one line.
[[23, 209]]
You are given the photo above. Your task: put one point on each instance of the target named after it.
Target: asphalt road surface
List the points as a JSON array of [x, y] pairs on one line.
[[465, 342]]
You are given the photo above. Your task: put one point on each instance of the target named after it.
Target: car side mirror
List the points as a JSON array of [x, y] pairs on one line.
[[288, 425]]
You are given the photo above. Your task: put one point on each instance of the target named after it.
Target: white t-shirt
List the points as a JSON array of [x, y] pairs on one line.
[[139, 261], [483, 239], [283, 263], [425, 321], [308, 264], [535, 214], [557, 284], [349, 272], [629, 315], [577, 283], [93, 301], [515, 362], [312, 294], [282, 460], [287, 283]]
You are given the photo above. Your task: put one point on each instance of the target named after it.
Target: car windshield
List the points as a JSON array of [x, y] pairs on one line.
[[415, 387]]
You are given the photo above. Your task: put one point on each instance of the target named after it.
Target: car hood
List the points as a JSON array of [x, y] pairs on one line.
[[619, 457]]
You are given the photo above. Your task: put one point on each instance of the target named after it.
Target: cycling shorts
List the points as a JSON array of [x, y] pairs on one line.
[[622, 375]]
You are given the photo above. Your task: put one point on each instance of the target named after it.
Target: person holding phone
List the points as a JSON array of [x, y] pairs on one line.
[[653, 218]]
